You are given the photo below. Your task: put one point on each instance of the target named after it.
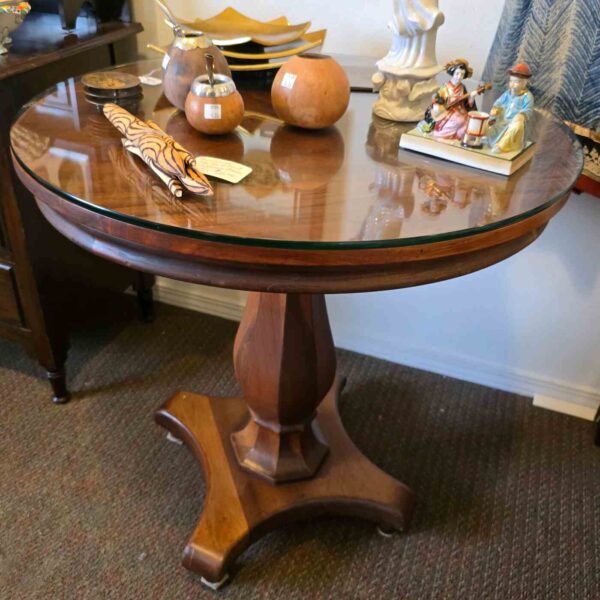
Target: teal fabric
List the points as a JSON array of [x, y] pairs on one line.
[[560, 41]]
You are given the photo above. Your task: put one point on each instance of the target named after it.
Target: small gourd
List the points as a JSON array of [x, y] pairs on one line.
[[213, 105]]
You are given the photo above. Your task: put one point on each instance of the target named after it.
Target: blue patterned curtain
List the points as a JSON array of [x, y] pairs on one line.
[[560, 41]]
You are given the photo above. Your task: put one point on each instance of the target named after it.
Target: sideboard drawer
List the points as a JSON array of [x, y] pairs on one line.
[[9, 305]]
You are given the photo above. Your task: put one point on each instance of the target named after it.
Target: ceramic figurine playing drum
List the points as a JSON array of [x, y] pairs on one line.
[[447, 117]]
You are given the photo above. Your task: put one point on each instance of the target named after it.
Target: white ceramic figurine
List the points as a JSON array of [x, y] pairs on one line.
[[406, 76]]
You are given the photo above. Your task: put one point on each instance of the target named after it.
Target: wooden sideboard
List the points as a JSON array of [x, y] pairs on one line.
[[45, 280]]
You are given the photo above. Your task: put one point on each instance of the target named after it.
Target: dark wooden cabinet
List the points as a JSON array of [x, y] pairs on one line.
[[46, 281], [10, 311]]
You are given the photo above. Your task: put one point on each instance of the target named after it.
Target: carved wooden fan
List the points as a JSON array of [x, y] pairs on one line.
[[172, 163]]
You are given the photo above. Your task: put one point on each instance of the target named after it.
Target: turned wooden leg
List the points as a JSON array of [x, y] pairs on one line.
[[281, 453], [52, 355], [58, 381], [142, 286]]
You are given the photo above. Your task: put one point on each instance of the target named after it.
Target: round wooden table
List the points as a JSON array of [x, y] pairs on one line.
[[341, 210]]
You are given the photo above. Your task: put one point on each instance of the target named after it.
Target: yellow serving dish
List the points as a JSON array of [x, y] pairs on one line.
[[232, 27], [311, 40]]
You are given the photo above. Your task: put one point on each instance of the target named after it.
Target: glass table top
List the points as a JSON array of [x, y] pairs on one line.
[[349, 186]]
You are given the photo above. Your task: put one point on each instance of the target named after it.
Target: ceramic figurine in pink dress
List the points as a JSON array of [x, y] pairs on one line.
[[453, 124], [447, 116]]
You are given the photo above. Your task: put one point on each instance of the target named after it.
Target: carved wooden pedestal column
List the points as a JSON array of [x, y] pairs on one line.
[[280, 454], [285, 362]]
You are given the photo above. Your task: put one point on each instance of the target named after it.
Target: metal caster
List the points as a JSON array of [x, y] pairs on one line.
[[60, 393], [58, 400], [386, 532], [172, 438], [215, 585]]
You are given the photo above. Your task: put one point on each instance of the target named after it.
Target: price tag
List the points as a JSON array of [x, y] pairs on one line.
[[226, 170], [147, 80], [288, 81], [212, 111]]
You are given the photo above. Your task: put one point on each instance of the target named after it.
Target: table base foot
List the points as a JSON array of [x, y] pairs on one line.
[[241, 507]]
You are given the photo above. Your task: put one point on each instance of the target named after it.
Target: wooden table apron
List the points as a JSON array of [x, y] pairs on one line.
[[276, 269]]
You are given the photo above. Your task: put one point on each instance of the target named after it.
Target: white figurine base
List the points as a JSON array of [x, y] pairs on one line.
[[402, 99], [505, 163], [388, 66]]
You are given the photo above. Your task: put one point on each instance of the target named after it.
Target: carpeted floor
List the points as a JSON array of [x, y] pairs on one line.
[[95, 503]]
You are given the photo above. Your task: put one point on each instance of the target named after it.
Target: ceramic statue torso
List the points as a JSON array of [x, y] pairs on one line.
[[453, 125]]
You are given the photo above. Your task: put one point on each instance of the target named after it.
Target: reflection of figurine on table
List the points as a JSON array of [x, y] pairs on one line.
[[395, 202], [393, 183], [438, 189], [442, 189]]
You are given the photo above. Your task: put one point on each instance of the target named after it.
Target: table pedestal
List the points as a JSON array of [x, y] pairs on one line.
[[281, 454]]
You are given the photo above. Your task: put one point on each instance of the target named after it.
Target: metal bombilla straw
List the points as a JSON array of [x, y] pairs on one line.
[[177, 27], [210, 69]]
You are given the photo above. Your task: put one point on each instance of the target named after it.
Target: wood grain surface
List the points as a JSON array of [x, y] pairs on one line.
[[240, 508]]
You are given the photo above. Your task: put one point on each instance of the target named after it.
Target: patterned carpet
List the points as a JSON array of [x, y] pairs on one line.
[[95, 503]]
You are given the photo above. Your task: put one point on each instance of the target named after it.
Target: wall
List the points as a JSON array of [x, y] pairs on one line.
[[527, 325], [354, 26]]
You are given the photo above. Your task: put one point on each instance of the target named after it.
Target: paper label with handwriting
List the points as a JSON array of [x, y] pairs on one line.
[[226, 170], [212, 111], [288, 81]]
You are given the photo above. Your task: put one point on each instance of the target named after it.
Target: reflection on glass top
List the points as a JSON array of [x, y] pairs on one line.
[[347, 186]]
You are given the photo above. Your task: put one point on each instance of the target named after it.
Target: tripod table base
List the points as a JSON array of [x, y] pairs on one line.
[[241, 507]]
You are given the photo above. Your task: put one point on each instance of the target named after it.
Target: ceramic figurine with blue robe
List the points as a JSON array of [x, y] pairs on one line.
[[511, 113]]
